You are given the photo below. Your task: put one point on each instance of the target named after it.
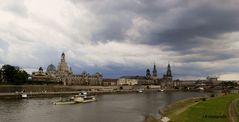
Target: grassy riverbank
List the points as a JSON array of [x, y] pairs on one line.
[[216, 109]]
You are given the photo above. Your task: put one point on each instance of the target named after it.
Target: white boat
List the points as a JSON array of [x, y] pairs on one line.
[[81, 98], [89, 99], [201, 88], [77, 99], [24, 95], [84, 99], [65, 101], [83, 93], [140, 90], [161, 90]]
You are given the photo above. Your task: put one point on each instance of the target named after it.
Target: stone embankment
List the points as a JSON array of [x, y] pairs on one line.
[[11, 91]]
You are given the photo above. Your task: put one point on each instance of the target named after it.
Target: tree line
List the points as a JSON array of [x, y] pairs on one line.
[[13, 75]]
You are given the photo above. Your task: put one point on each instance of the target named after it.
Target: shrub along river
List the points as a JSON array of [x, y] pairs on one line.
[[131, 107]]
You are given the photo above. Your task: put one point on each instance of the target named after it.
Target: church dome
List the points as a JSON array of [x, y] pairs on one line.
[[51, 68]]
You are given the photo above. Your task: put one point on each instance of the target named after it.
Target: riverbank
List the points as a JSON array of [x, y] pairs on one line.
[[18, 95], [206, 109], [15, 91]]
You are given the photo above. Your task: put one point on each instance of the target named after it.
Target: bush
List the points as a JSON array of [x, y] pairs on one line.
[[212, 95], [203, 99]]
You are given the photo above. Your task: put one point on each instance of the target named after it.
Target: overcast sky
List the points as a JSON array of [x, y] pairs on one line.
[[123, 37]]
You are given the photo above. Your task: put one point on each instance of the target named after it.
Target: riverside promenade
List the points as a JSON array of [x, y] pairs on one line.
[[34, 91], [66, 93]]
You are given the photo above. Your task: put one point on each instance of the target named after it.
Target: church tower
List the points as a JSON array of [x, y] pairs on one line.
[[168, 78], [148, 75], [155, 73], [62, 66], [63, 57], [169, 73]]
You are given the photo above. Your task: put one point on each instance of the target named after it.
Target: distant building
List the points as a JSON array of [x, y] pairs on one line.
[[51, 71], [85, 79], [212, 80], [148, 79], [148, 75], [40, 75], [128, 80], [155, 73], [110, 82], [186, 83], [167, 80], [135, 80], [64, 74]]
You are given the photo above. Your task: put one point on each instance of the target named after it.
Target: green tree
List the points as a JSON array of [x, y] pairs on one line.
[[20, 77], [0, 75], [14, 75], [8, 73]]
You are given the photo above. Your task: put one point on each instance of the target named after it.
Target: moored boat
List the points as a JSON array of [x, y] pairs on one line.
[[161, 90], [65, 101], [24, 95], [140, 90]]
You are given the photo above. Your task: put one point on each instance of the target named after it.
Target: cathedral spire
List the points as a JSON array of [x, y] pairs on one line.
[[63, 57], [63, 67], [169, 73], [148, 75], [155, 73]]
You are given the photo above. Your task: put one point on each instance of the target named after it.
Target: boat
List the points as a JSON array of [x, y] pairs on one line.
[[83, 93], [200, 88], [24, 95], [81, 98], [87, 99], [161, 90], [65, 101], [140, 90]]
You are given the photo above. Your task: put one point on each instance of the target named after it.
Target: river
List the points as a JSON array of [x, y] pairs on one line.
[[108, 108]]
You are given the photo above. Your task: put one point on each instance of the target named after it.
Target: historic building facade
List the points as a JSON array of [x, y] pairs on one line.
[[64, 74], [167, 80], [148, 79], [40, 75]]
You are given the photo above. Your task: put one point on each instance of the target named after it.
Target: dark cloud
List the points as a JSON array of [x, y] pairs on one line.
[[204, 20], [187, 20], [180, 25]]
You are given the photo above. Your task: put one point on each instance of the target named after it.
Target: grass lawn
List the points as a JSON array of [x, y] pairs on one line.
[[211, 110], [237, 107], [178, 107]]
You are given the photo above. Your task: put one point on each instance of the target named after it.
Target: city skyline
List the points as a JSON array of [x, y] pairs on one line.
[[198, 38]]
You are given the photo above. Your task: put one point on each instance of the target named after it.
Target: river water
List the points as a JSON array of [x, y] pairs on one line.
[[108, 108]]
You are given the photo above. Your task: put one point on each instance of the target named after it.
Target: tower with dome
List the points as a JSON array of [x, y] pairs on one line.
[[63, 74]]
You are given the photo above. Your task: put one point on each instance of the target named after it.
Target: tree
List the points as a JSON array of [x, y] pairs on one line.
[[20, 77], [8, 73], [0, 75], [14, 75]]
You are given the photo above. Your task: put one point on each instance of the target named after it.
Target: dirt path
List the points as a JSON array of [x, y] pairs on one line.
[[186, 104], [232, 112]]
